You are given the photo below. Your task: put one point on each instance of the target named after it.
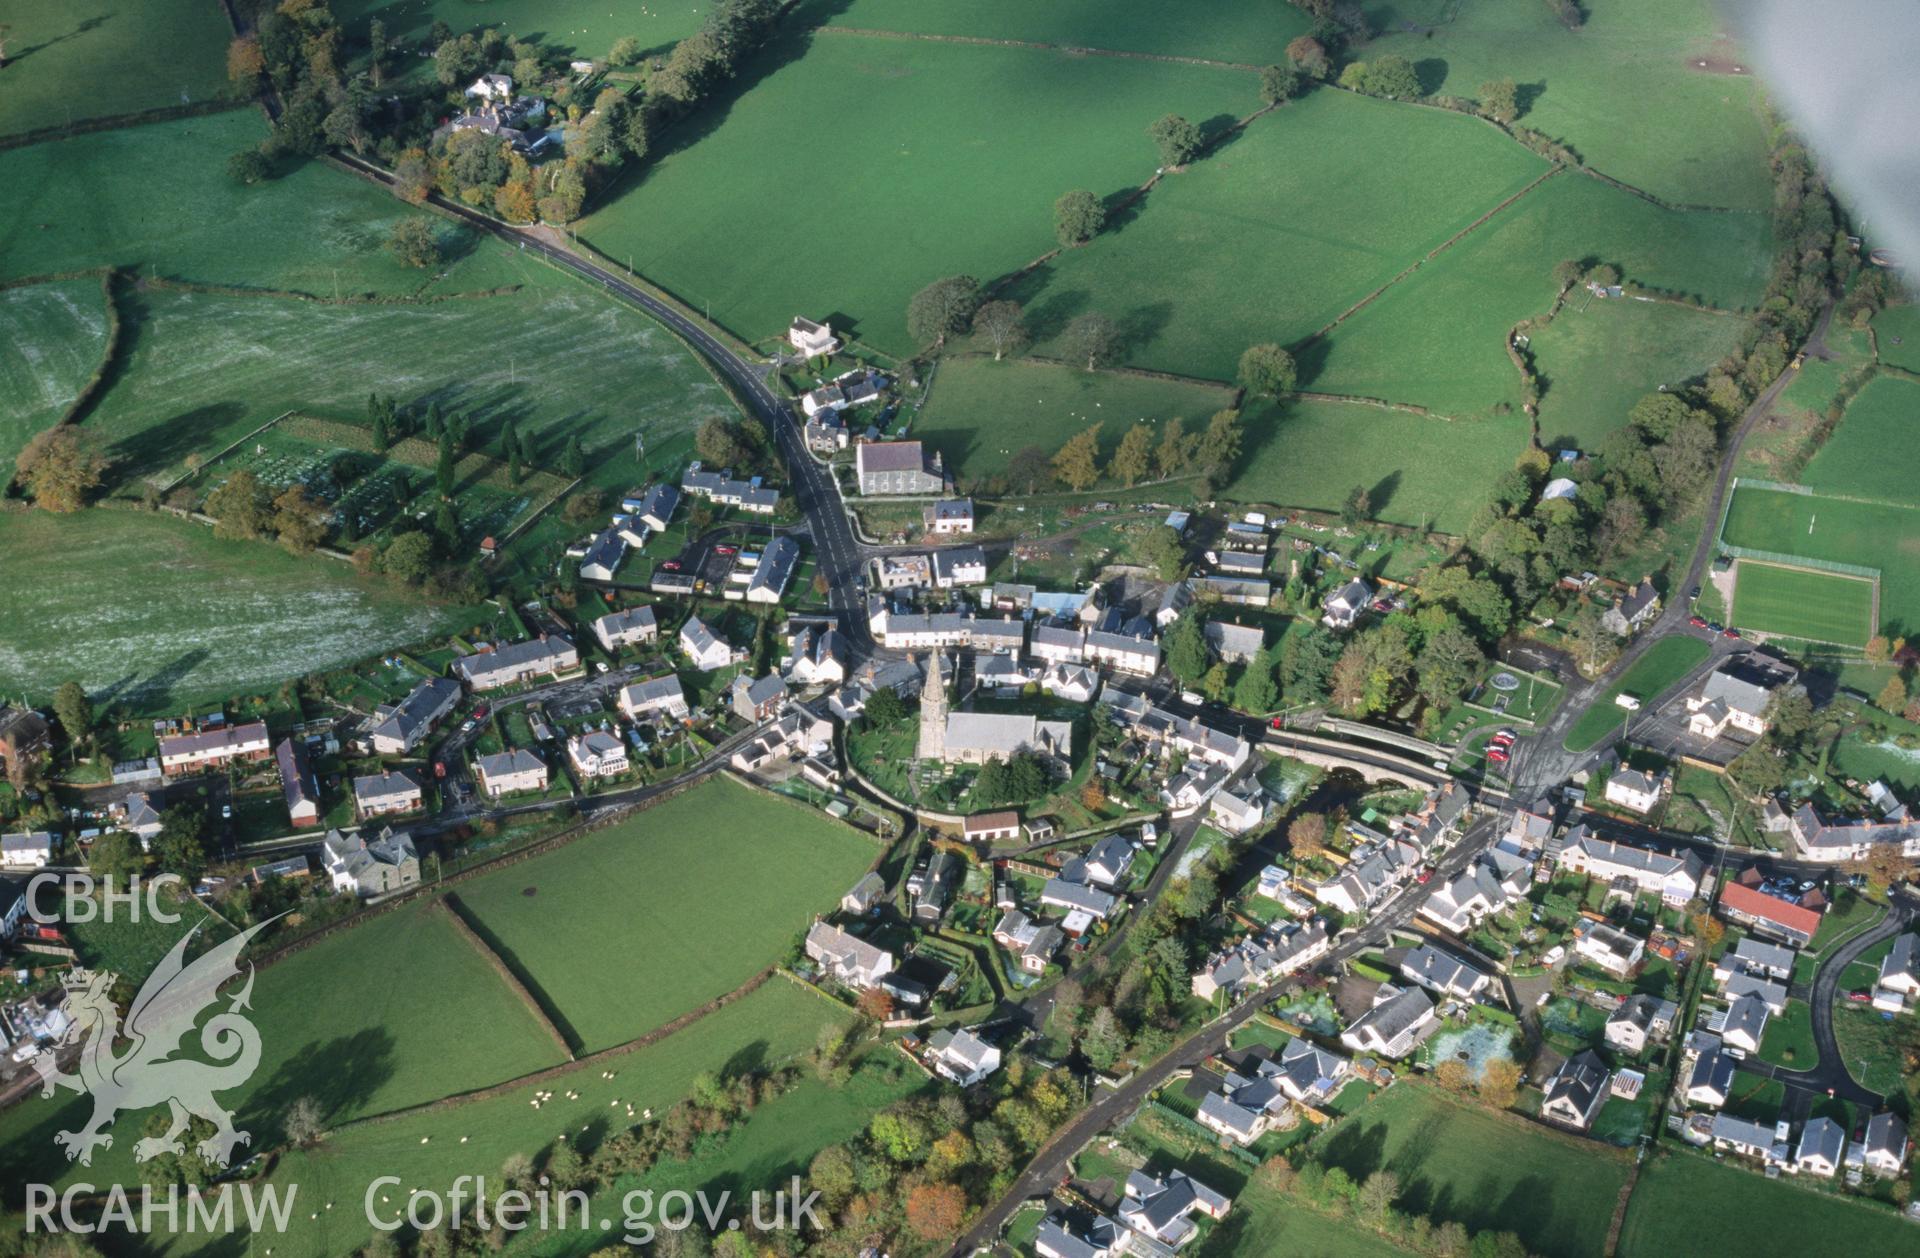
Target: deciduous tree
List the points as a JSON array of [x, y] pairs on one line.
[[943, 308], [60, 468], [1094, 338], [1500, 100], [239, 507], [1176, 139], [1280, 83], [1134, 455], [1268, 370], [1309, 55], [414, 241], [1307, 835], [1078, 462], [1002, 325], [1078, 217]]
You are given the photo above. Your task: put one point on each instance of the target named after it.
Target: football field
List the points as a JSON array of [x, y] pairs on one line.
[[1803, 603]]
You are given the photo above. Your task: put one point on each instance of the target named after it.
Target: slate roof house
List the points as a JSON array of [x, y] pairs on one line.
[[510, 772], [951, 515], [388, 863], [1161, 1207], [399, 727], [1734, 697], [1234, 644], [1675, 879], [1640, 1020], [898, 467], [1344, 607], [962, 1056], [185, 753], [626, 628], [1398, 1021], [704, 647], [810, 339], [852, 961], [548, 655], [1033, 942], [384, 794], [1823, 1148], [757, 698], [1444, 973], [298, 784], [598, 754], [775, 573], [1631, 610], [1577, 1090]]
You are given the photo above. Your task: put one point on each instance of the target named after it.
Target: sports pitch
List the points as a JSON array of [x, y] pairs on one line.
[[1802, 603], [1866, 535]]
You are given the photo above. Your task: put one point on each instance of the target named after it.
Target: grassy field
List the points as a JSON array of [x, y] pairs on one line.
[[1896, 331], [722, 878], [1597, 358], [1665, 662], [1253, 32], [1803, 603], [66, 63], [1458, 1162], [1875, 452], [1274, 236], [966, 146], [158, 198], [167, 614], [1697, 135], [578, 28], [1418, 470], [980, 413], [205, 370], [1266, 1224], [1502, 273], [52, 337], [1864, 534], [1688, 1204]]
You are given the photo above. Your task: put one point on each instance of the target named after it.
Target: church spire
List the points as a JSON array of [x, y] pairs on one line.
[[933, 712]]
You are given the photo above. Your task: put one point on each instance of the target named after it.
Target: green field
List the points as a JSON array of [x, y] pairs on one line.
[[1696, 136], [1489, 1172], [721, 881], [67, 63], [582, 29], [1437, 337], [154, 612], [1875, 452], [956, 169], [1665, 662], [1419, 470], [1803, 603], [158, 198], [1896, 332], [1597, 358], [1252, 32], [1266, 1224], [1688, 1204], [1867, 535], [205, 370], [980, 413], [52, 337], [1273, 237]]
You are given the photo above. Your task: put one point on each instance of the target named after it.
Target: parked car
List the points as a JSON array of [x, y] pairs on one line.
[[1729, 632], [1698, 622], [1860, 998]]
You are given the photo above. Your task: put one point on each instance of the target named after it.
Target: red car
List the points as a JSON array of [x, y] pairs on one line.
[[671, 565], [1729, 632], [1860, 998], [725, 550], [482, 712], [1698, 622], [1496, 755], [1274, 723], [1426, 875]]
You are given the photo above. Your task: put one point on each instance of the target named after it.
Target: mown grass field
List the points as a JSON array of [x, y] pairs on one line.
[[1896, 331], [1864, 534], [1597, 358], [1688, 1204], [204, 370], [1272, 237], [1875, 451], [52, 337], [1252, 32], [955, 167], [981, 413], [1437, 338], [156, 612], [583, 29], [158, 198], [1458, 1162], [67, 63], [1423, 471], [1267, 1224], [1696, 137], [631, 927], [1665, 662], [1803, 603]]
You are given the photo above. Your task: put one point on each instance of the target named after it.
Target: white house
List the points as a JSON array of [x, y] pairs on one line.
[[1344, 607], [1640, 1020], [1577, 1090], [32, 850], [1900, 971], [1636, 791], [1160, 1208], [660, 695], [852, 961], [510, 772], [704, 647], [597, 754], [951, 515], [495, 89], [1613, 950], [959, 565], [810, 339], [358, 867], [1675, 879], [1444, 973], [1746, 1024], [627, 628], [1885, 1151], [382, 794], [1735, 696], [962, 1056], [1823, 1148], [1399, 1020]]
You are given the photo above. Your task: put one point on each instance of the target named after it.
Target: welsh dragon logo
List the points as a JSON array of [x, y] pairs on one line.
[[148, 1073]]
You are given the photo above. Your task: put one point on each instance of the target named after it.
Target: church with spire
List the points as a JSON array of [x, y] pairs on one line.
[[933, 712]]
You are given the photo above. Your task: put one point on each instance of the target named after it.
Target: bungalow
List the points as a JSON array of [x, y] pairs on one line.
[[510, 772], [32, 850], [548, 655], [627, 628], [812, 340], [604, 556], [1745, 1024], [1640, 1020], [1577, 1090], [1160, 1207], [1243, 1109], [223, 744], [1343, 608], [598, 754], [722, 488], [951, 515], [1240, 563], [1711, 1080], [661, 694], [1034, 943], [962, 1056], [1900, 971], [358, 867], [851, 961], [137, 815], [1399, 1020], [1636, 791], [1675, 879], [1735, 696], [399, 727], [298, 784], [959, 565], [1061, 1237], [1079, 901], [1608, 947], [1823, 1148], [1075, 683], [1308, 1073], [816, 656], [1754, 956], [1886, 1145], [385, 794], [1773, 995], [1443, 973], [989, 827], [1632, 610], [774, 574], [868, 892], [656, 508], [1746, 1137], [706, 649], [1234, 644], [757, 698], [1769, 916]]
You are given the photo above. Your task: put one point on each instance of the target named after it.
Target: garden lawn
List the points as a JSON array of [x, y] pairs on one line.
[[67, 63], [1867, 535], [395, 1011], [629, 928], [172, 615], [1418, 470], [980, 412], [1875, 452], [1597, 358], [1869, 1046], [1252, 32], [1689, 1204], [1696, 136], [157, 198], [1274, 236], [52, 338], [1864, 755], [205, 370], [954, 167], [1488, 1172], [1789, 1038], [1665, 662], [1803, 603], [1437, 338], [1896, 331]]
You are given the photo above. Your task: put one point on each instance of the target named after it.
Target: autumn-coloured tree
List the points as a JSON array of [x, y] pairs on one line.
[[60, 468], [244, 61], [1307, 836], [1500, 1083], [1708, 929], [1451, 1074], [1078, 462], [875, 1003], [935, 1211], [1883, 865]]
